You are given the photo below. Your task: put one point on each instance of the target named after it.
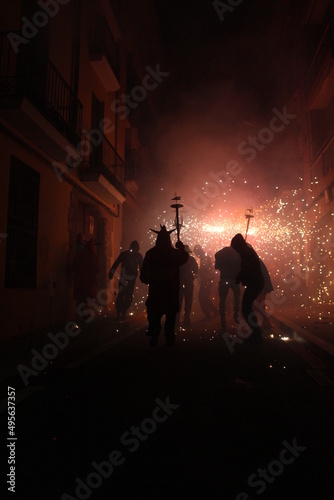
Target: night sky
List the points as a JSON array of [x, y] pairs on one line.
[[222, 88], [205, 49]]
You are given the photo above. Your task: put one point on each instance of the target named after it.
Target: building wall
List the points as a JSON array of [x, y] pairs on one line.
[[318, 125], [67, 206], [30, 309]]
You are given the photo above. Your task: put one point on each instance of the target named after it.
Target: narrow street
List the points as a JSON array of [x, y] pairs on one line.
[[189, 421], [157, 154]]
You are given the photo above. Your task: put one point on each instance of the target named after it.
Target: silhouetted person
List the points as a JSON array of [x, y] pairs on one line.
[[188, 273], [161, 271], [259, 304], [252, 278], [207, 275], [85, 268], [227, 261], [131, 261]]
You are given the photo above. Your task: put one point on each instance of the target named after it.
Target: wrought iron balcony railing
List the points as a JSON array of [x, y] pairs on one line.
[[43, 85], [112, 160], [104, 159]]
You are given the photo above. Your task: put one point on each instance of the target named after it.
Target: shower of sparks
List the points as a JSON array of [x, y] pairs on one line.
[[292, 240]]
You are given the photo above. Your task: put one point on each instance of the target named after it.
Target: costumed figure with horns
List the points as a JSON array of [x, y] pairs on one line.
[[161, 271]]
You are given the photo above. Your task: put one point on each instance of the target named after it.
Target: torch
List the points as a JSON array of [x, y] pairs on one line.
[[177, 206], [249, 215]]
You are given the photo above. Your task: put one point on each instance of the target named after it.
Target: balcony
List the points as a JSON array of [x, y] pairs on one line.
[[103, 172], [38, 102], [104, 54], [319, 79]]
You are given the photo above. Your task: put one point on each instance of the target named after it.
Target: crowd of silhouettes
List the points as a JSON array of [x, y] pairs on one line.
[[170, 273]]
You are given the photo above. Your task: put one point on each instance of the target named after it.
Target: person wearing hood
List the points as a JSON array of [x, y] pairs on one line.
[[251, 277]]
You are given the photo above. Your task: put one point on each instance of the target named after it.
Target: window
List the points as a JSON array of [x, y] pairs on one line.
[[22, 226]]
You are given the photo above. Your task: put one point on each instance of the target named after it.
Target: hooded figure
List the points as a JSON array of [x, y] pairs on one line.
[[252, 278], [131, 260], [161, 271]]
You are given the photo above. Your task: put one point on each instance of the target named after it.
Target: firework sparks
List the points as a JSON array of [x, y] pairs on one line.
[[290, 239]]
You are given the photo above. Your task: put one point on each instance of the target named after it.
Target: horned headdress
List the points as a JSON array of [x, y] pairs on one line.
[[163, 238]]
